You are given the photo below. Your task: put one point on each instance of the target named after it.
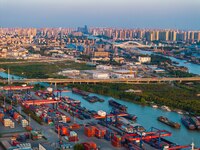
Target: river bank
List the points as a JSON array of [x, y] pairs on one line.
[[192, 68], [176, 96]]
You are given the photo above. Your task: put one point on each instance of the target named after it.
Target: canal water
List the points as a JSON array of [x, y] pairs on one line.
[[193, 68], [147, 117]]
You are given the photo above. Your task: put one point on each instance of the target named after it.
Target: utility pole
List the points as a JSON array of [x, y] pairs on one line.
[[8, 75], [4, 102], [29, 119]]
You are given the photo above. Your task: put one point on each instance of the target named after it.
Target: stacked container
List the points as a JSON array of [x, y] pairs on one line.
[[12, 124], [16, 116], [6, 122], [89, 131], [90, 146], [1, 117], [100, 132], [75, 126], [24, 123], [73, 137], [116, 141]]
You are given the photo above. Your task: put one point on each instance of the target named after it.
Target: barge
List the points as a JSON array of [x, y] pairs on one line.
[[117, 105], [80, 92], [166, 121]]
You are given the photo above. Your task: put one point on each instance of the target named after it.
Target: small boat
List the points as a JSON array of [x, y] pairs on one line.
[[165, 108], [154, 106], [166, 121]]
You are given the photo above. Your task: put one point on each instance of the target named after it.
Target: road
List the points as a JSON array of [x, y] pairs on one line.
[[118, 80]]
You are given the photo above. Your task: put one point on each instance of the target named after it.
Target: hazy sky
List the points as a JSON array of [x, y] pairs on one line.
[[182, 14]]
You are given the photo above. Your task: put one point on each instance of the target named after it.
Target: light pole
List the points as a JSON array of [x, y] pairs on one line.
[[29, 119]]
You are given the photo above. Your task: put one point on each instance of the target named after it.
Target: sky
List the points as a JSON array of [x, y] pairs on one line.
[[168, 14]]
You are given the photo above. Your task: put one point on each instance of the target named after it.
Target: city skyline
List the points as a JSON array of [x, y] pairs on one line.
[[121, 14]]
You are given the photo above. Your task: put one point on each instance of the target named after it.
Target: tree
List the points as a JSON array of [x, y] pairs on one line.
[[78, 147]]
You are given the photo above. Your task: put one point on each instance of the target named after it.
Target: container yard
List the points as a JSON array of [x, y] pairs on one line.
[[64, 121]]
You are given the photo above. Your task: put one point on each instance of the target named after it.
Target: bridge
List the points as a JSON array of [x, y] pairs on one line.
[[118, 80], [130, 44]]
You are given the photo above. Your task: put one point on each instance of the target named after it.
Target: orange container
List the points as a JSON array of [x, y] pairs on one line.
[[116, 138], [1, 115], [68, 119], [115, 143], [75, 126], [28, 128], [92, 145], [16, 115], [64, 131], [89, 131]]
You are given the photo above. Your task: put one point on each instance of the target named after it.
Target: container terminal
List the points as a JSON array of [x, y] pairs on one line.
[[44, 119]]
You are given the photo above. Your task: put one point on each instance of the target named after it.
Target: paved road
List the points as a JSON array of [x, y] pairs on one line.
[[121, 80]]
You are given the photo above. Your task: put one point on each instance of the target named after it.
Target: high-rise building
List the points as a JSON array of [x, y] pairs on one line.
[[181, 36], [149, 36], [197, 36], [164, 35], [172, 35]]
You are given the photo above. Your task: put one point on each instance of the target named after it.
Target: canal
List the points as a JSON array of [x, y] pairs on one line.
[[193, 68], [147, 117]]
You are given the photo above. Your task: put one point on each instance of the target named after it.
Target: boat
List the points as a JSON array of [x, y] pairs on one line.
[[187, 122], [196, 122], [90, 99], [165, 108], [131, 117], [154, 106], [80, 92], [117, 105], [70, 101], [101, 100], [166, 121]]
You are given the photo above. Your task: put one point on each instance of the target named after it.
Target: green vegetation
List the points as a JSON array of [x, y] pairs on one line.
[[10, 60], [176, 95], [78, 147], [43, 70], [158, 60], [166, 63]]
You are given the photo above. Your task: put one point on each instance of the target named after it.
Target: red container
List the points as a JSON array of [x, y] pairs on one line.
[[64, 131], [89, 131], [100, 132], [90, 146], [75, 126], [73, 138], [14, 143], [115, 143], [16, 115], [116, 138], [28, 128]]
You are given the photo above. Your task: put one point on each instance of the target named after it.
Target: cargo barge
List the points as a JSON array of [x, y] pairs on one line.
[[131, 117], [187, 123], [80, 92], [166, 121], [117, 105], [90, 99], [93, 99]]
